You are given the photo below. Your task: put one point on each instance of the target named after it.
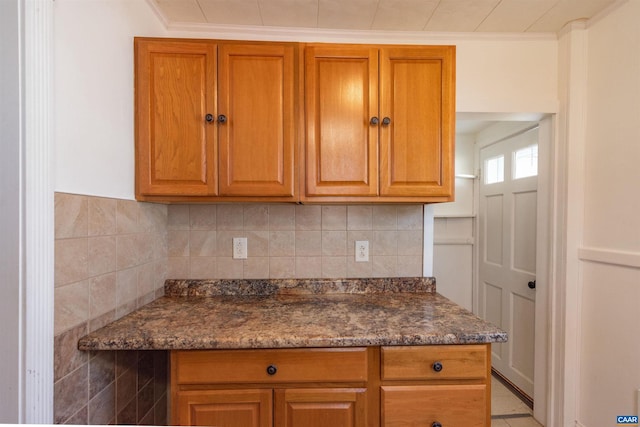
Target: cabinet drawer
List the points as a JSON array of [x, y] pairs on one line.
[[251, 366], [435, 362], [449, 405]]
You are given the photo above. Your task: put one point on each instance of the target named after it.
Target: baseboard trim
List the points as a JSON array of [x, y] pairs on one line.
[[528, 400]]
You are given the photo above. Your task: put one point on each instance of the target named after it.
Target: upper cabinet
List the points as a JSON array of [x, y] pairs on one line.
[[240, 121], [215, 121], [380, 123]]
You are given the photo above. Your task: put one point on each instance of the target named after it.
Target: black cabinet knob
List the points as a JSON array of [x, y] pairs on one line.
[[436, 424], [386, 121], [209, 118], [532, 284], [437, 366], [272, 369], [222, 118], [374, 120]]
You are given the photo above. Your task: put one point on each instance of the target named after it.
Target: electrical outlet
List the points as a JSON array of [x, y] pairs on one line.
[[362, 251], [239, 248]]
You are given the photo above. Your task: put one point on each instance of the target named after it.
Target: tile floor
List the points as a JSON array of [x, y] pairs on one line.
[[507, 410]]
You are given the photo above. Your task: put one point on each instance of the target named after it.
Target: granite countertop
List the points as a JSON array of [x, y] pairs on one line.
[[236, 314]]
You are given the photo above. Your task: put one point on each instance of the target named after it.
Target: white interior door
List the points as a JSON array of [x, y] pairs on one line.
[[507, 251]]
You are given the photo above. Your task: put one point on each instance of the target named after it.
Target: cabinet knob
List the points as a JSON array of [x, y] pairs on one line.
[[437, 366], [436, 424], [272, 369], [386, 121], [209, 118], [222, 118], [374, 120]]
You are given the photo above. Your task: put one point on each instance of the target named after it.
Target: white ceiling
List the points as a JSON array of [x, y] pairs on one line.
[[511, 16]]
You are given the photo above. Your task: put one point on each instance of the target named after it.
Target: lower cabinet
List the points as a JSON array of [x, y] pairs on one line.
[[432, 386]]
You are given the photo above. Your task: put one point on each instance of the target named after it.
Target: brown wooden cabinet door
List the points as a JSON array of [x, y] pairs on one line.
[[417, 94], [225, 408], [341, 97], [256, 96], [175, 85], [423, 405], [333, 407]]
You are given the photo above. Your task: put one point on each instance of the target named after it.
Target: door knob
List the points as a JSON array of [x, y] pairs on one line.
[[532, 284]]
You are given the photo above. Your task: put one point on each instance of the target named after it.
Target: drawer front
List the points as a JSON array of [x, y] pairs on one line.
[[449, 405], [270, 366], [436, 362]]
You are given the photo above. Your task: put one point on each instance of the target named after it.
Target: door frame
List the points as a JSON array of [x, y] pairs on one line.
[[544, 244]]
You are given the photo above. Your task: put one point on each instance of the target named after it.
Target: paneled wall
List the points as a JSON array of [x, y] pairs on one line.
[[110, 258]]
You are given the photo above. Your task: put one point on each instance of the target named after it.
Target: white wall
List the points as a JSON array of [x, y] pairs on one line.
[[93, 54], [10, 211], [609, 349], [94, 82]]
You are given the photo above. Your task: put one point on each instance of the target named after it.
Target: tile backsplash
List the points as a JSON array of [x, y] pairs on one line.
[[294, 241], [113, 256]]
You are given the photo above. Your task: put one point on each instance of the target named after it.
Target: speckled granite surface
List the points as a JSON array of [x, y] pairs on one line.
[[320, 318]]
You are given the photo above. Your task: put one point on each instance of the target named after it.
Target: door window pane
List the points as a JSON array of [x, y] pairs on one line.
[[526, 162], [494, 170]]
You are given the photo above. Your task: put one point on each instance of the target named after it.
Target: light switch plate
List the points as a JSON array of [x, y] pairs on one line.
[[239, 248], [362, 251]]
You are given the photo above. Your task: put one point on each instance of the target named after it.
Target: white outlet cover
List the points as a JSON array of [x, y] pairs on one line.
[[239, 248], [362, 251]]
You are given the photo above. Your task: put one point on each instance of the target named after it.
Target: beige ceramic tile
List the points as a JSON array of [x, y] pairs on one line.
[[308, 267], [203, 267], [282, 267], [103, 320], [499, 423], [71, 394], [256, 268], [308, 217], [230, 217], [282, 243], [229, 268], [385, 243], [126, 287], [256, 217], [334, 267], [203, 243], [334, 217], [308, 243], [385, 266], [102, 291], [71, 257], [410, 217], [334, 243], [178, 217], [409, 242], [101, 406], [224, 242], [282, 217], [146, 280], [359, 217], [127, 251], [409, 266], [385, 217], [523, 422], [71, 306], [178, 243], [101, 255], [152, 216], [160, 268], [358, 269], [178, 268], [144, 247], [127, 213], [67, 357], [102, 216], [71, 215], [202, 217], [352, 236], [257, 243]]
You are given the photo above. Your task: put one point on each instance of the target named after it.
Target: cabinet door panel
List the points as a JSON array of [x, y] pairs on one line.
[[175, 146], [225, 408], [321, 408], [416, 148], [341, 86], [450, 405], [256, 85]]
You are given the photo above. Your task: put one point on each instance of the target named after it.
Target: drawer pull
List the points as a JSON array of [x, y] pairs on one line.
[[272, 369], [436, 424], [437, 366]]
